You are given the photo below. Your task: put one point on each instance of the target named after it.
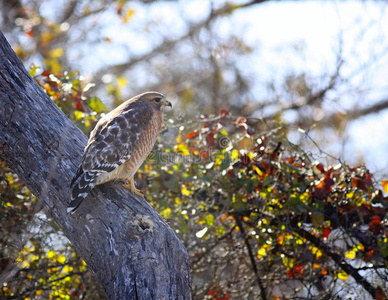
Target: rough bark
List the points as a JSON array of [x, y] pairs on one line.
[[130, 248]]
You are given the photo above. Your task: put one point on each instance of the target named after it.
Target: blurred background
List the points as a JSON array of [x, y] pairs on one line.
[[273, 93], [320, 68]]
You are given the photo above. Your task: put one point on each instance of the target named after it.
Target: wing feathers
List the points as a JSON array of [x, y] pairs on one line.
[[110, 144]]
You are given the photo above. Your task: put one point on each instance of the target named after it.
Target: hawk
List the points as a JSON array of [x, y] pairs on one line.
[[118, 145]]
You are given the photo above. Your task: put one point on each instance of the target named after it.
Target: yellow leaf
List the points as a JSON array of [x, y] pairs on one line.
[[38, 292], [384, 183], [261, 252], [258, 171], [78, 114], [67, 269], [122, 82], [360, 247], [266, 221], [56, 53], [342, 275], [182, 148], [235, 154], [62, 259], [316, 266], [51, 254], [25, 264], [128, 16], [166, 213], [317, 252], [34, 257], [350, 254], [185, 191]]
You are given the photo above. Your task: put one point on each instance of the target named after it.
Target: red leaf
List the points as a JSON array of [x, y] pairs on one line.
[[326, 232], [379, 294], [223, 113], [210, 139], [193, 134], [230, 173], [375, 225], [324, 186], [30, 33], [320, 167], [242, 120], [290, 274], [204, 155], [79, 106], [216, 294], [363, 183], [298, 270]]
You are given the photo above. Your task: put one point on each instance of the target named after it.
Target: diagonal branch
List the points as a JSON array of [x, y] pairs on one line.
[[339, 260], [251, 256], [372, 109], [130, 248]]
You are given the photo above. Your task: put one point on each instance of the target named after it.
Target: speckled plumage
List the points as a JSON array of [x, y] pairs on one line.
[[119, 144]]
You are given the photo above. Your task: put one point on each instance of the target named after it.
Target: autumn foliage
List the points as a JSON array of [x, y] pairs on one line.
[[261, 211], [260, 217]]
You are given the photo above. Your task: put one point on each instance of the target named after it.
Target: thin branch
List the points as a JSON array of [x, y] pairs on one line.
[[339, 260], [251, 256], [372, 109]]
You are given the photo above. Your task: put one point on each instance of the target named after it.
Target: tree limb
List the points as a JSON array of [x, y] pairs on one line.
[[130, 248], [339, 260], [372, 109], [251, 256]]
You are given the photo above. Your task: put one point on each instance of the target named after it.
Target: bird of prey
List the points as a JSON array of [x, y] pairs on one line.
[[118, 145]]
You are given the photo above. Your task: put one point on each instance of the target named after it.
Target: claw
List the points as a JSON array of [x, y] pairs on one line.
[[132, 187]]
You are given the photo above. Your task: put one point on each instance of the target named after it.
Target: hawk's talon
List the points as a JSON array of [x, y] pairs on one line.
[[132, 187]]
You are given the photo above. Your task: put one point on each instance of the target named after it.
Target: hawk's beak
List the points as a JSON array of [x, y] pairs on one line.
[[167, 103]]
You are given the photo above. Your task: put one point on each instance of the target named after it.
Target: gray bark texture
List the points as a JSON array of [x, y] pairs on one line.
[[130, 248]]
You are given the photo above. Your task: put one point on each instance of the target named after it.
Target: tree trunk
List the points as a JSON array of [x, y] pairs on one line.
[[130, 248]]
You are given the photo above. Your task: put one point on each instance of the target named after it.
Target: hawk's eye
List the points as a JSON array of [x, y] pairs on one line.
[[157, 99]]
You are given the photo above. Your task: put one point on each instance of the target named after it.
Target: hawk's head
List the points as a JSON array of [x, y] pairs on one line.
[[157, 100]]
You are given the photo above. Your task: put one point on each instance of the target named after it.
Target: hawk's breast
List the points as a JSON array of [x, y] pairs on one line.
[[139, 151]]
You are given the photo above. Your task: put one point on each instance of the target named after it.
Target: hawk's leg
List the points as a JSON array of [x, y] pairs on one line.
[[131, 186]]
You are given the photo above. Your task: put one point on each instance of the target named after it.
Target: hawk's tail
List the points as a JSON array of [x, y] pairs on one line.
[[80, 187]]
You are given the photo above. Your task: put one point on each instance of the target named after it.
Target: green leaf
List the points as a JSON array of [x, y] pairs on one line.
[[96, 104], [209, 219]]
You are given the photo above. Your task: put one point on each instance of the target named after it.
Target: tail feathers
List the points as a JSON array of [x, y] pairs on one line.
[[80, 188]]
